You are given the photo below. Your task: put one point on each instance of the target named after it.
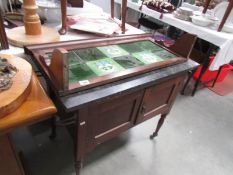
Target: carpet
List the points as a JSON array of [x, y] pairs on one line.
[[225, 87]]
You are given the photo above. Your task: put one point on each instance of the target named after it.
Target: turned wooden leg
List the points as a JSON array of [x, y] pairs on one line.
[[190, 73], [63, 29], [206, 6], [53, 134], [227, 13], [112, 9], [123, 16], [78, 166], [160, 123]]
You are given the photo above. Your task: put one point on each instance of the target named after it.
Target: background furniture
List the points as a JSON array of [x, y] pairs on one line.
[[63, 29], [32, 32], [221, 39], [37, 107], [226, 14]]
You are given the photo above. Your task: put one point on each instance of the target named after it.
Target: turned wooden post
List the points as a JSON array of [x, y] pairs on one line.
[[112, 9], [123, 15], [227, 13], [31, 18], [159, 125], [63, 29], [206, 6]]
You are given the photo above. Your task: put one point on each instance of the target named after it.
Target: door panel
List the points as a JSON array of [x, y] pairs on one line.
[[158, 99], [111, 117]]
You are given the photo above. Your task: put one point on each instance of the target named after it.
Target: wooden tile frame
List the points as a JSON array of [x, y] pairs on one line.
[[38, 54]]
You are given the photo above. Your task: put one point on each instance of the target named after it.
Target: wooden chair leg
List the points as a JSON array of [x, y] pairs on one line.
[[78, 166], [190, 73], [205, 65], [123, 19], [216, 78], [53, 134], [112, 9], [159, 125], [63, 29], [198, 80], [227, 13]]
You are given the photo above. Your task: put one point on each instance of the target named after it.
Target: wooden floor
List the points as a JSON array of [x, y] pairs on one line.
[[196, 139]]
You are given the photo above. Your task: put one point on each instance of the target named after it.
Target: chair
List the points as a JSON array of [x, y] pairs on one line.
[[184, 50]]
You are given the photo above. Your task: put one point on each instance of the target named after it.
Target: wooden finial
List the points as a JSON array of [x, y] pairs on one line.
[[31, 18]]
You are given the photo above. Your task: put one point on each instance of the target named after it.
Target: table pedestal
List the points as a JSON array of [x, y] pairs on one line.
[[18, 37], [32, 32]]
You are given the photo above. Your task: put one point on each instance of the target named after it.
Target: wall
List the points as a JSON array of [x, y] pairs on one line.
[[105, 4]]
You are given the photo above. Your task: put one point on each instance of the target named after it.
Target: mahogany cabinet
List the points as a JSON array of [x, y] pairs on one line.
[[103, 120], [117, 103]]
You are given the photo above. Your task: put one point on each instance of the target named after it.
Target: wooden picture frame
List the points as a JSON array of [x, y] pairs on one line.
[[3, 39], [57, 70]]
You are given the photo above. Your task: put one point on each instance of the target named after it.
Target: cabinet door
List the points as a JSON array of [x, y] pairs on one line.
[[111, 117], [158, 99], [9, 160]]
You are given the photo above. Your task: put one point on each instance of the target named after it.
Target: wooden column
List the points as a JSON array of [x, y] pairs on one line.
[[206, 6], [63, 29], [112, 9], [123, 15], [227, 13], [31, 19]]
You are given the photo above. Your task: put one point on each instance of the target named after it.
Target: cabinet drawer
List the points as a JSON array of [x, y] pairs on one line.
[[159, 98]]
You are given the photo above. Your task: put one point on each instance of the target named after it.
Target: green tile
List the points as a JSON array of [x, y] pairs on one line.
[[147, 57], [131, 47], [90, 54], [128, 61], [148, 46], [104, 66], [113, 51], [164, 54], [74, 59], [80, 72]]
